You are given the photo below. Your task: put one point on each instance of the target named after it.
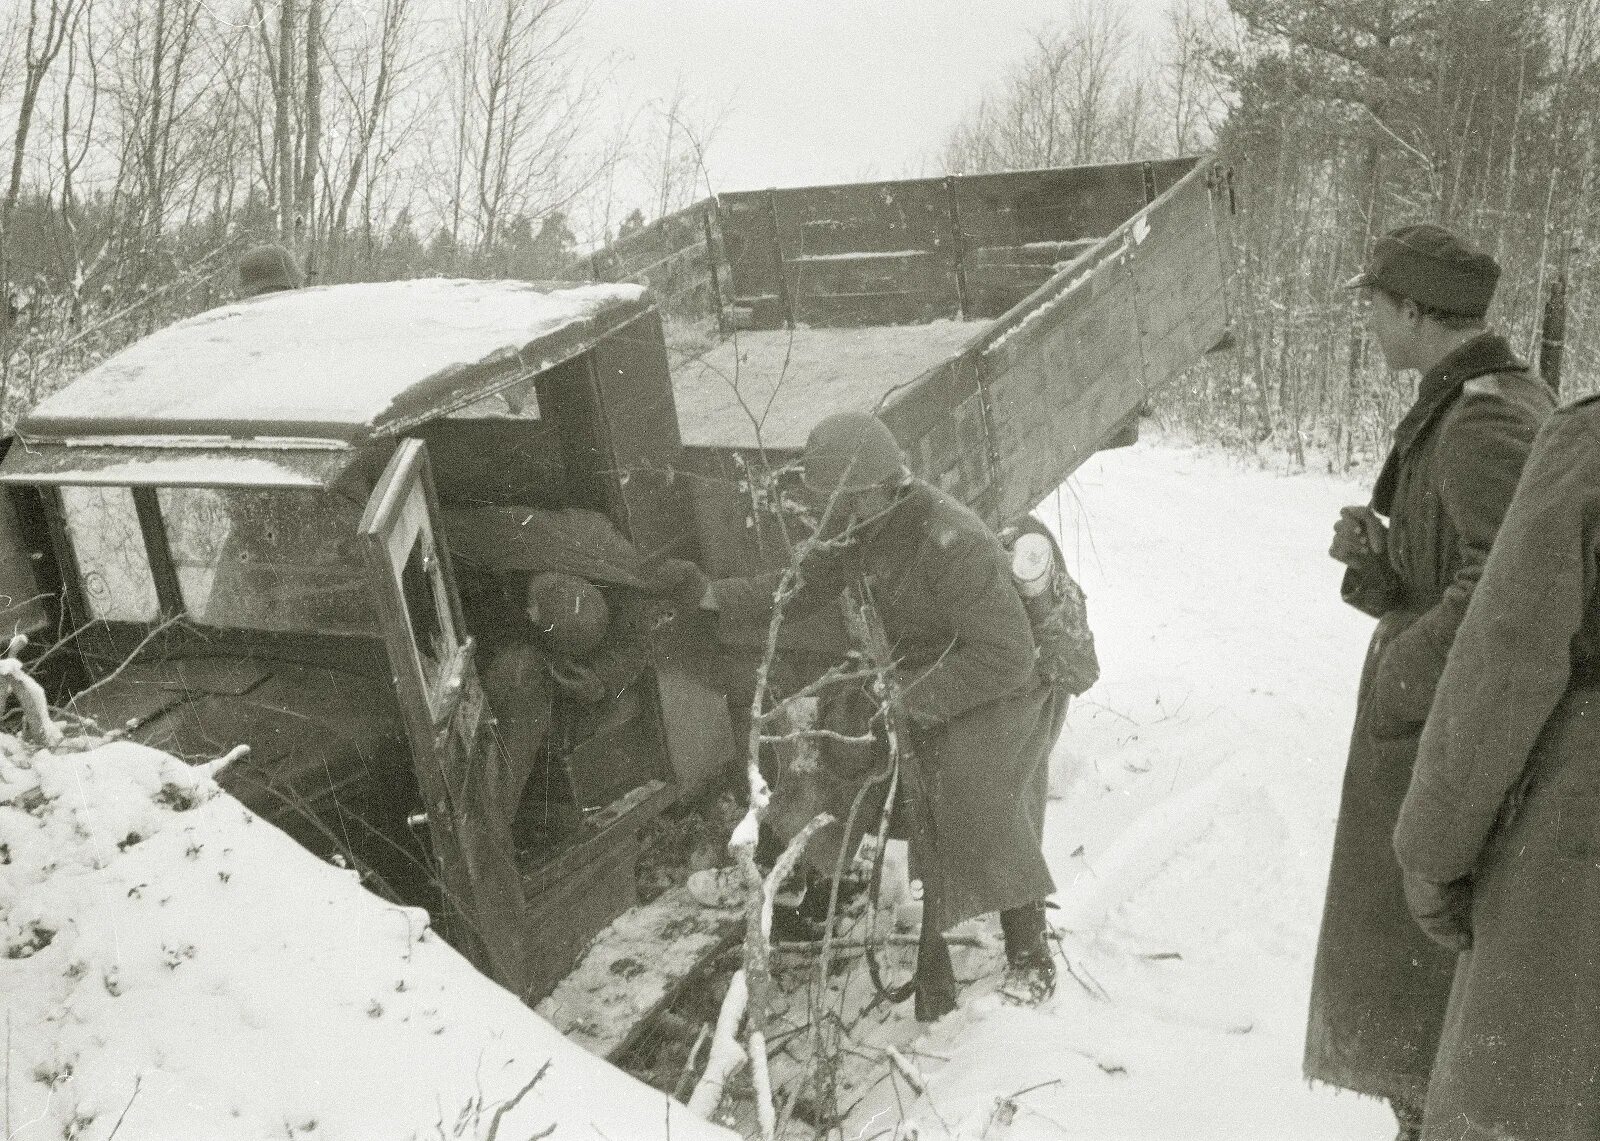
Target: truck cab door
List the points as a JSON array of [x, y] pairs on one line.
[[443, 706]]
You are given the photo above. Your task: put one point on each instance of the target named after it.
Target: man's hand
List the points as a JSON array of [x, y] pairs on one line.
[[1442, 910], [680, 582], [1358, 536]]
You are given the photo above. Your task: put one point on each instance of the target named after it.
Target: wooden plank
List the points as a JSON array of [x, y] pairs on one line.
[[751, 241], [898, 288], [633, 398], [903, 307], [869, 254], [1072, 203], [634, 969], [999, 277], [868, 217], [1079, 357]]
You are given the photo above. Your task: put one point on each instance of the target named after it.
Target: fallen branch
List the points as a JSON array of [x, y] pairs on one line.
[[30, 695], [818, 735], [726, 1054], [912, 1075], [213, 768], [507, 1106]]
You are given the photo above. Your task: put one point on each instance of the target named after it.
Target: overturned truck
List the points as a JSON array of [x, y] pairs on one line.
[[235, 530]]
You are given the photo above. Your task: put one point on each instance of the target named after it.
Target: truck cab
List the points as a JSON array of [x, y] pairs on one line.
[[238, 525]]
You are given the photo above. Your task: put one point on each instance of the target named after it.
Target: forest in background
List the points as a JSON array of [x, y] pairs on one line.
[[146, 143], [1341, 119]]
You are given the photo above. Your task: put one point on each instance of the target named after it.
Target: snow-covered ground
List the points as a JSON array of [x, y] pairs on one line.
[[1198, 785], [172, 969]]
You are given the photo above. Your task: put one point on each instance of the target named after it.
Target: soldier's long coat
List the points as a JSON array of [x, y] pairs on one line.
[[955, 623], [1507, 790], [1380, 985]]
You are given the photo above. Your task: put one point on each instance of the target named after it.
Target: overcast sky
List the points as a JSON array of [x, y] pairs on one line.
[[826, 90]]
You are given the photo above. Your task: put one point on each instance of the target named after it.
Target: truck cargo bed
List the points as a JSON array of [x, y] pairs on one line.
[[787, 379], [1005, 326]]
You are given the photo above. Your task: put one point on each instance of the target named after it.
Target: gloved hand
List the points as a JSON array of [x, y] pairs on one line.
[[1359, 536], [679, 581], [1442, 910], [578, 679]]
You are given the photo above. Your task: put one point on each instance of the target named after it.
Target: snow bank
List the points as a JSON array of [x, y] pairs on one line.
[[174, 967]]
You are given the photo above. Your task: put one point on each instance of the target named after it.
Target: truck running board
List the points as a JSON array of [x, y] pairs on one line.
[[635, 967]]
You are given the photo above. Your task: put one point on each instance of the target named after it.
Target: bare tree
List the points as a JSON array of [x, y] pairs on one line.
[[369, 75], [519, 106], [1073, 98], [43, 33]]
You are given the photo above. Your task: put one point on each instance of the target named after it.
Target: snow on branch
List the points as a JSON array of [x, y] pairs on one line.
[[29, 693]]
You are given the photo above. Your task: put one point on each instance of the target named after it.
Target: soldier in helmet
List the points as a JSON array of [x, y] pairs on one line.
[[267, 269], [982, 716], [558, 666]]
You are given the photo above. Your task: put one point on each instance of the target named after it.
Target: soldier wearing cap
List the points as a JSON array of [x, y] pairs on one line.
[[984, 716], [1412, 557]]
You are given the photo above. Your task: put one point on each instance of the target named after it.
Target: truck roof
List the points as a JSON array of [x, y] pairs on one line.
[[341, 362]]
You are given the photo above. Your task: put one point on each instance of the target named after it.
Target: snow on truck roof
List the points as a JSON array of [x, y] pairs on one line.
[[337, 361]]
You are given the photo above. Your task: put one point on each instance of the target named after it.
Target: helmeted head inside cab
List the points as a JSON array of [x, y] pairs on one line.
[[569, 613]]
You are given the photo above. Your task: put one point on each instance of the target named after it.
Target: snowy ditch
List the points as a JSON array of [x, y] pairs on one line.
[[175, 967]]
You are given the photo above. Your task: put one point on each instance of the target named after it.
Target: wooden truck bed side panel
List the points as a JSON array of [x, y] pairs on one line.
[[881, 253], [681, 257], [1018, 228], [1055, 376], [918, 249]]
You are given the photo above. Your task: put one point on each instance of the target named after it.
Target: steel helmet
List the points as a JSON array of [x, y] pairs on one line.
[[851, 451], [267, 269], [572, 613]]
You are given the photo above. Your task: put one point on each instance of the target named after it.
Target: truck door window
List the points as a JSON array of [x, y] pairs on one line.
[[426, 609], [113, 564], [268, 558]]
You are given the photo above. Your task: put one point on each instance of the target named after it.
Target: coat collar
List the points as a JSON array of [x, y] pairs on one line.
[[1483, 354]]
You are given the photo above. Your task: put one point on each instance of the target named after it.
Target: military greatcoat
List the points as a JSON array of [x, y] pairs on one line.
[[957, 628], [1380, 985], [1507, 792]]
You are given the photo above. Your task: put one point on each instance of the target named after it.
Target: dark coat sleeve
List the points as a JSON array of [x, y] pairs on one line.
[[991, 653], [1485, 443], [1372, 588], [622, 656], [1511, 659], [743, 602]]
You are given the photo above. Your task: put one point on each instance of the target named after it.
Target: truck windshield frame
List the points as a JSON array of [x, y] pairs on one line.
[[261, 559]]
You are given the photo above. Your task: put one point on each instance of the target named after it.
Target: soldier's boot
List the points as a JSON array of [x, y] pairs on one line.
[[1408, 1116], [1030, 968]]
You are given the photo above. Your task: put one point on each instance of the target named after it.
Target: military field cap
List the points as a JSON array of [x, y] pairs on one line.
[[267, 269], [1433, 267]]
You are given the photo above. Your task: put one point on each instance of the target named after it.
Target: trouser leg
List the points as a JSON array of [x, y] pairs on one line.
[[935, 986], [1024, 932]]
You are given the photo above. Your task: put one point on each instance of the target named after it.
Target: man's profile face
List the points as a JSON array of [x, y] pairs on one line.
[[1392, 324]]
